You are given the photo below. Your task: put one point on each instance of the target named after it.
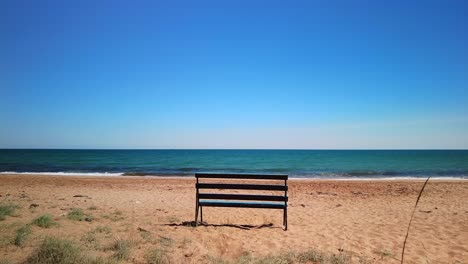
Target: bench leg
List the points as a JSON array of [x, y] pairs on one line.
[[201, 214], [285, 219], [196, 215]]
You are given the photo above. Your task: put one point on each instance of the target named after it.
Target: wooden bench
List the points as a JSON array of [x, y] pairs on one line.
[[210, 199]]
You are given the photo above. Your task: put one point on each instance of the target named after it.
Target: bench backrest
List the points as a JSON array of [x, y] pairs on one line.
[[276, 178]]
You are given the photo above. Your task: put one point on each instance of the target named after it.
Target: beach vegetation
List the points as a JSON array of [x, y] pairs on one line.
[[146, 236], [284, 258], [383, 253], [90, 239], [5, 261], [22, 235], [246, 258], [44, 221], [165, 241], [76, 214], [311, 255], [115, 216], [122, 249], [92, 208], [102, 229], [101, 260], [7, 233], [6, 210], [341, 258], [157, 256], [57, 251], [60, 251]]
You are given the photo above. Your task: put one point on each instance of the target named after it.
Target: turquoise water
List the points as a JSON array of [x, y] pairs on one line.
[[296, 163]]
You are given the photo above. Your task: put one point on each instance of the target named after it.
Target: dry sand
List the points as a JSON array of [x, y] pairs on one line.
[[364, 219]]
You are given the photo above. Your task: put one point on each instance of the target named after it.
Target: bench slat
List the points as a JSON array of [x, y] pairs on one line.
[[250, 197], [227, 186], [242, 176], [242, 204]]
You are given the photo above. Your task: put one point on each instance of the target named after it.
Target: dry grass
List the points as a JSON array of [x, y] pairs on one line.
[[77, 214], [115, 216], [44, 221], [157, 256], [22, 235], [53, 250], [122, 249], [310, 256], [59, 251]]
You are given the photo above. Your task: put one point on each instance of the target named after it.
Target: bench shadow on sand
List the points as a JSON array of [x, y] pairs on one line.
[[245, 227]]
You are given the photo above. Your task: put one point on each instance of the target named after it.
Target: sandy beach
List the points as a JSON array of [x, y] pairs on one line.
[[364, 220]]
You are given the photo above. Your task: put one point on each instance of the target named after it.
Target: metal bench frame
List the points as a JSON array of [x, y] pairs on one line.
[[243, 200]]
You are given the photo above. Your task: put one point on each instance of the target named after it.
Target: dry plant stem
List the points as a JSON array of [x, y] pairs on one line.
[[411, 219]]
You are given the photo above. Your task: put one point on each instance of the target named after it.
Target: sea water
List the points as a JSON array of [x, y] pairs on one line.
[[341, 164]]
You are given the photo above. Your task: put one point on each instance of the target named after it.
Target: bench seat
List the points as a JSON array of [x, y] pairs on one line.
[[268, 191], [223, 203]]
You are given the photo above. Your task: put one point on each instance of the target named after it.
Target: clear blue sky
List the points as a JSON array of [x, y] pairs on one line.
[[234, 74]]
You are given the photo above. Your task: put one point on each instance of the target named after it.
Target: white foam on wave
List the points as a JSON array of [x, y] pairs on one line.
[[63, 173]]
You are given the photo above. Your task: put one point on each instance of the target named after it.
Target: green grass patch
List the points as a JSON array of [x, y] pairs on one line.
[[57, 251], [76, 214], [60, 251], [6, 210], [22, 235], [44, 221]]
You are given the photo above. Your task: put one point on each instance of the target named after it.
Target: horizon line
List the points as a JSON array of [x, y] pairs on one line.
[[232, 149]]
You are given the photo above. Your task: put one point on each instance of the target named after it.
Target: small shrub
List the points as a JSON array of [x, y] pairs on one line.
[[6, 210], [122, 249], [56, 251], [311, 255], [76, 214], [286, 258], [89, 238], [341, 258], [157, 256], [44, 221], [22, 235]]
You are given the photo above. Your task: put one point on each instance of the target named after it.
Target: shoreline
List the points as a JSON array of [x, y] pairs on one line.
[[121, 175]]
